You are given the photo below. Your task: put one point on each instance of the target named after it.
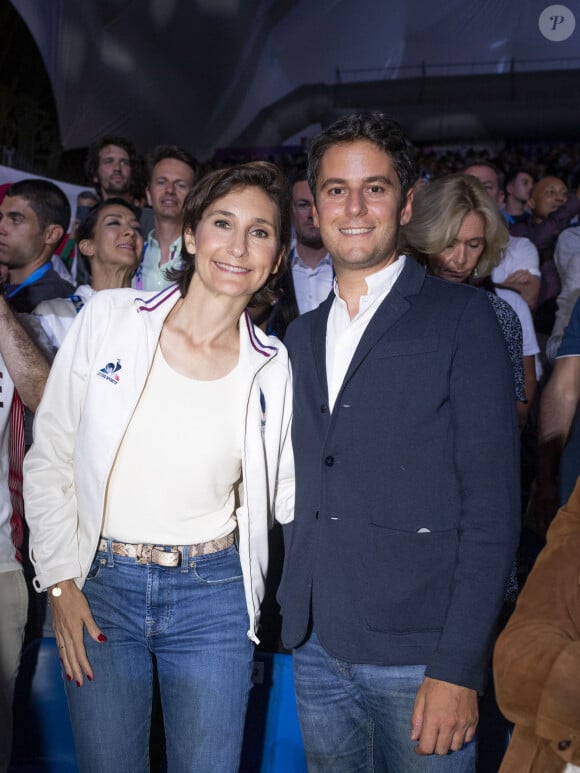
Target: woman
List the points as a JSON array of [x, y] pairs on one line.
[[162, 454], [457, 231], [110, 244]]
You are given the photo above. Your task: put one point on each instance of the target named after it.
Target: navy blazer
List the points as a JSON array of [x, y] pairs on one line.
[[407, 494]]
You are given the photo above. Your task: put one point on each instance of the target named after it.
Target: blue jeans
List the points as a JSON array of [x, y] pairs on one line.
[[357, 718], [193, 620]]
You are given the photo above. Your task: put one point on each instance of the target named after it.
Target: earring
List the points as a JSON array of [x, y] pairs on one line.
[[475, 273]]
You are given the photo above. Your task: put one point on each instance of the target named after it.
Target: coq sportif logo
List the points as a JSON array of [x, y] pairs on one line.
[[111, 372]]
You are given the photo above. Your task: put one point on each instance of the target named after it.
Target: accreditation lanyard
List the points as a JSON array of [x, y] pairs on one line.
[[32, 278]]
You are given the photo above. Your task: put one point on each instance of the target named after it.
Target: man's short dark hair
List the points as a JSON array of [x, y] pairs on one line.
[[511, 175], [374, 127], [92, 159], [298, 175], [171, 151], [47, 201], [475, 161]]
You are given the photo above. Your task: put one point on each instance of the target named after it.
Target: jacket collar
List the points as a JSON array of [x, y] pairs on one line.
[[389, 312], [255, 346]]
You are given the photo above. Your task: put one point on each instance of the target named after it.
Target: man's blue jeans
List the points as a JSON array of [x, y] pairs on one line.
[[357, 718], [193, 619]]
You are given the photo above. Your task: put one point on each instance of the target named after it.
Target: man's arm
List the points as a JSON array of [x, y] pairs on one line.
[[537, 656], [526, 284], [557, 411], [26, 364], [487, 444]]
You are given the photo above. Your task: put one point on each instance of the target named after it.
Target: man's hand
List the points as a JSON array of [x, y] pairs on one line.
[[526, 284], [444, 717]]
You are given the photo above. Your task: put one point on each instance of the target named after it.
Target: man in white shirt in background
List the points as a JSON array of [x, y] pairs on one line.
[[310, 274], [172, 174], [520, 266]]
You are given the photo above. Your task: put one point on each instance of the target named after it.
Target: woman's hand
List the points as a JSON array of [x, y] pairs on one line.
[[70, 614]]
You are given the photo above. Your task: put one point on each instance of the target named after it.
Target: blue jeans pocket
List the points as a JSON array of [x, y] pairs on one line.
[[219, 568]]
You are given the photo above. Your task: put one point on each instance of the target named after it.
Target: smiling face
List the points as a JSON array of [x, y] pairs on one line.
[[171, 181], [236, 243], [358, 206], [117, 239], [457, 261]]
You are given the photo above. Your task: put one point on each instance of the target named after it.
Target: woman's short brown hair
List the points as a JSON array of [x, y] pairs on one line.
[[215, 185]]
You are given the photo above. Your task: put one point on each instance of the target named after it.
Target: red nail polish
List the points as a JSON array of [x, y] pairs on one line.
[[90, 678], [102, 637], [78, 683], [69, 677]]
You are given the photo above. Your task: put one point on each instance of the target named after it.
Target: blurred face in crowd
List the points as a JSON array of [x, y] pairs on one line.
[[520, 188], [548, 195], [114, 172], [457, 261], [302, 216], [488, 178], [171, 181]]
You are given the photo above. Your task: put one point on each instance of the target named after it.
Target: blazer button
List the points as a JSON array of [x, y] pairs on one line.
[[563, 745], [316, 515], [323, 408], [329, 461]]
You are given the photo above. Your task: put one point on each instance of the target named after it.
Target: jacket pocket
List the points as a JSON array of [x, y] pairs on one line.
[[407, 347], [409, 579]]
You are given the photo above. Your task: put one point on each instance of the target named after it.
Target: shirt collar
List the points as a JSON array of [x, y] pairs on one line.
[[380, 280], [296, 259]]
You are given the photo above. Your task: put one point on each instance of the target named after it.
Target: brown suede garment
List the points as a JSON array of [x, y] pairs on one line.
[[537, 656]]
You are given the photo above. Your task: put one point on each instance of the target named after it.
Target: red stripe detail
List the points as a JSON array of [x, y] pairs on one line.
[[259, 347], [15, 460]]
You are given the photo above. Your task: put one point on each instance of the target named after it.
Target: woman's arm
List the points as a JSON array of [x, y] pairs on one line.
[[50, 497]]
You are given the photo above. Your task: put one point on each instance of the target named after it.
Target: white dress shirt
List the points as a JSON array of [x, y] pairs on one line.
[[343, 334], [311, 285]]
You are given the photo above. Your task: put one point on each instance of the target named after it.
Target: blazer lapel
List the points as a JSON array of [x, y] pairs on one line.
[[319, 323], [394, 306]]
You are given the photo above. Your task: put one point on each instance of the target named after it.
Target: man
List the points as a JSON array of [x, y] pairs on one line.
[[406, 451], [22, 368], [558, 460], [552, 212], [109, 166], [520, 265], [310, 275], [518, 188], [566, 259], [34, 216], [173, 172], [537, 657]]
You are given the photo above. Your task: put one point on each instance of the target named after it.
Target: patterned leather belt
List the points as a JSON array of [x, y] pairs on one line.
[[165, 555]]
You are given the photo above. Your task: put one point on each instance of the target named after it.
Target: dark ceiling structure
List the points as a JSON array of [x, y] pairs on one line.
[[209, 74]]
